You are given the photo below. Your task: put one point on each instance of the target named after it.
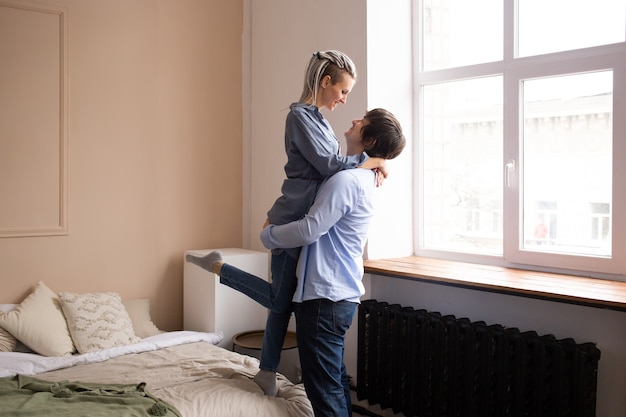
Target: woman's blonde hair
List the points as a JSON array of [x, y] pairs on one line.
[[333, 63]]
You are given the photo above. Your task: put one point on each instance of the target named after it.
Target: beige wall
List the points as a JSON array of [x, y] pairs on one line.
[[154, 151]]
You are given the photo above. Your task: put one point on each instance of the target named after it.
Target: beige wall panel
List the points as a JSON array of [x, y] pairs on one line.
[[32, 120]]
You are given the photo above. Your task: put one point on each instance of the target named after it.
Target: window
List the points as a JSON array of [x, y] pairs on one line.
[[600, 222], [521, 108]]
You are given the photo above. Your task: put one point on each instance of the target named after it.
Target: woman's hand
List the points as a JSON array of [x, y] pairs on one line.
[[380, 177], [381, 172], [379, 165]]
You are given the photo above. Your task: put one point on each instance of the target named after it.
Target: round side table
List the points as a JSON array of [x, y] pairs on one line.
[[253, 339]]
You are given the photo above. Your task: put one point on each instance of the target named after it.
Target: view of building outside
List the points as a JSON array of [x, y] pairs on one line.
[[567, 154], [462, 165]]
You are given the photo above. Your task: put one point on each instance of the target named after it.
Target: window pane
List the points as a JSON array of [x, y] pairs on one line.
[[567, 157], [562, 25], [461, 32], [462, 166]]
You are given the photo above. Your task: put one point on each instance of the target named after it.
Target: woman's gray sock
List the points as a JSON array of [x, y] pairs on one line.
[[212, 262], [267, 381]]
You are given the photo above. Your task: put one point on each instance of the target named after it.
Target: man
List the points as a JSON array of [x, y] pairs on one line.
[[330, 267]]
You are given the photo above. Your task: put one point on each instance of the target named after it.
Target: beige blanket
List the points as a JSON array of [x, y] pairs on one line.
[[199, 379]]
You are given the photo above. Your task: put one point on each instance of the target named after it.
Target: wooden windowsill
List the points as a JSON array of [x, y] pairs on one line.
[[589, 292]]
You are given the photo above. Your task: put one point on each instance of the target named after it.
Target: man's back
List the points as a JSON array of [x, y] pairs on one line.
[[331, 266]]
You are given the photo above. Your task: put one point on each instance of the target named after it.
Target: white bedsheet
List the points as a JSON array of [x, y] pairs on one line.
[[13, 363]]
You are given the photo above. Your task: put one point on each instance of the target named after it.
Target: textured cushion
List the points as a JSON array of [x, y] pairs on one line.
[[38, 322], [7, 341], [139, 311], [97, 321]]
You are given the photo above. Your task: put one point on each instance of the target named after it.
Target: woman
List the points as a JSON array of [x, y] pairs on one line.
[[313, 154]]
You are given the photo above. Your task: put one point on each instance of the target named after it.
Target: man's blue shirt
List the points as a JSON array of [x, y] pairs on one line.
[[333, 234]]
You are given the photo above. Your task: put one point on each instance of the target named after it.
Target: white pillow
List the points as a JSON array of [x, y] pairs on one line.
[[38, 322], [139, 311], [97, 321], [5, 308]]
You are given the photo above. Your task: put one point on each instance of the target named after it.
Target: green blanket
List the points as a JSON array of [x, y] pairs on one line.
[[24, 396]]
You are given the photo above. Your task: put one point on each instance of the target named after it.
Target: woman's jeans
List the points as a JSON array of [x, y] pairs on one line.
[[321, 327], [275, 296]]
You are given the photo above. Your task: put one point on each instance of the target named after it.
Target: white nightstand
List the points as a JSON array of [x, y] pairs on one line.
[[210, 306]]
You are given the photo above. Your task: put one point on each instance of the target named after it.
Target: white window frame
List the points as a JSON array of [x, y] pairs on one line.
[[515, 71]]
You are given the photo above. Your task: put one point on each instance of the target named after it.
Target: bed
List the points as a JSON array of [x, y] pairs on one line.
[[130, 366]]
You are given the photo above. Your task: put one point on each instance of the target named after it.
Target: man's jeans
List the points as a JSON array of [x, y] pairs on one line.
[[321, 326], [275, 296]]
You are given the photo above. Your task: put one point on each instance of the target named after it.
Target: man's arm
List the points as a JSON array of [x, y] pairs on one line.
[[334, 199]]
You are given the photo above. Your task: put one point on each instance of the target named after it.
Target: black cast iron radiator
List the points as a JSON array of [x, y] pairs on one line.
[[425, 364]]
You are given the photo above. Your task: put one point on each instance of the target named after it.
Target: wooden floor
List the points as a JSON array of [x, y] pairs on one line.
[[554, 287]]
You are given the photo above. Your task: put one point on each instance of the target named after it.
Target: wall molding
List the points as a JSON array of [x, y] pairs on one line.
[[34, 202]]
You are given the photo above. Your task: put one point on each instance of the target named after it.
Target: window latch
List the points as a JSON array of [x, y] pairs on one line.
[[509, 168]]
